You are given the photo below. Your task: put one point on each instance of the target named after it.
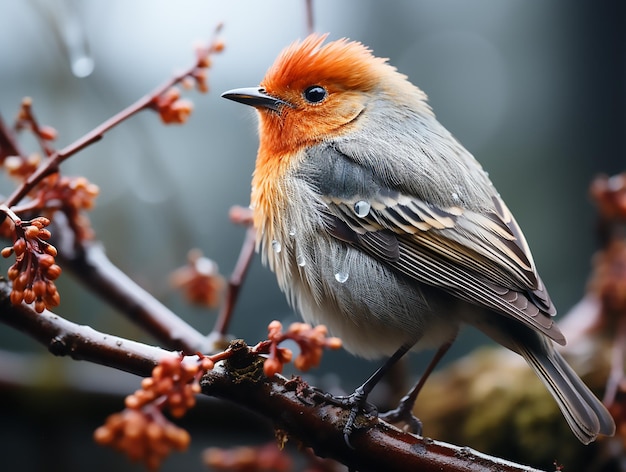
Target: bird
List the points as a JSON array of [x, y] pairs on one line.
[[379, 224]]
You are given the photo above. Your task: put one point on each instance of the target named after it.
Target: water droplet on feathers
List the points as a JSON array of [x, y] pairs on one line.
[[300, 260], [362, 208]]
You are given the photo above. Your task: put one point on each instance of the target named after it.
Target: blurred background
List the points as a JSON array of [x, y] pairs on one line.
[[535, 90]]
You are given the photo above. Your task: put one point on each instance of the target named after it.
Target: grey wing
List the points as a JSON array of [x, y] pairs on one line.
[[478, 256]]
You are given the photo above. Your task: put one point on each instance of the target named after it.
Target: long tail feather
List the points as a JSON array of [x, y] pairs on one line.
[[585, 414], [607, 425]]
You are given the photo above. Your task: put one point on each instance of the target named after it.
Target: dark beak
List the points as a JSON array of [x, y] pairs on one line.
[[255, 97]]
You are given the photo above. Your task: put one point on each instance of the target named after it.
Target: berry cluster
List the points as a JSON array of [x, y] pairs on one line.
[[141, 431], [311, 340], [203, 57], [263, 458], [49, 191], [20, 167], [73, 196], [169, 105], [143, 435], [609, 193], [34, 270], [76, 193], [172, 108], [26, 120], [200, 279], [173, 385], [17, 164], [248, 458]]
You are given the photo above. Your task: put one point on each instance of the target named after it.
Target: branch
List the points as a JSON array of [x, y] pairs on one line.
[[94, 269], [150, 100], [291, 404], [299, 411], [310, 21], [235, 281], [8, 144], [64, 338]]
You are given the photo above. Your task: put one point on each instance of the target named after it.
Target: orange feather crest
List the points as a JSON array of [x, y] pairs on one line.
[[344, 62]]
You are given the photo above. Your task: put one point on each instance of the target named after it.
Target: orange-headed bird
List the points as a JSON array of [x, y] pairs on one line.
[[382, 226]]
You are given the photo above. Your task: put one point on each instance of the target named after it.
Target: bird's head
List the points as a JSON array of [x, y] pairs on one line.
[[314, 92]]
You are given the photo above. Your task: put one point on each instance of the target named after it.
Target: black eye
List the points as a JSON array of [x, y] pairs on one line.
[[315, 94]]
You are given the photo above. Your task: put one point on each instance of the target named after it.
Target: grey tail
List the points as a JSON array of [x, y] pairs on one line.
[[585, 414]]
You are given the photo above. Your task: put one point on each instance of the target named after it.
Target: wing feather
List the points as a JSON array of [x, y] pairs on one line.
[[478, 254]]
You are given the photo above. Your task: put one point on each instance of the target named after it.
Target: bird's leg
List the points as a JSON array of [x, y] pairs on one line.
[[357, 401], [404, 411]]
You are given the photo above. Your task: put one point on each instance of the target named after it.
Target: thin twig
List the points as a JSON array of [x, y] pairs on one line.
[[51, 165], [616, 374], [27, 119], [235, 282], [310, 21], [8, 143]]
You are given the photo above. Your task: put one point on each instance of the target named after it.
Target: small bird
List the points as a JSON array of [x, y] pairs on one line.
[[382, 226]]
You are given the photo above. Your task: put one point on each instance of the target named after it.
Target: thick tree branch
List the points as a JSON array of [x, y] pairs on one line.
[[64, 338], [299, 411]]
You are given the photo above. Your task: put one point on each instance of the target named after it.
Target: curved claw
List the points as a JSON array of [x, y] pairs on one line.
[[349, 426], [404, 413], [357, 402]]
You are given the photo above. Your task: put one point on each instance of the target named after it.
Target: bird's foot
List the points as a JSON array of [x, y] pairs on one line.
[[404, 414], [357, 403]]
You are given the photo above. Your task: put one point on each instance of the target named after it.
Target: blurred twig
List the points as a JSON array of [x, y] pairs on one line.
[[8, 144], [235, 281], [310, 19], [94, 269]]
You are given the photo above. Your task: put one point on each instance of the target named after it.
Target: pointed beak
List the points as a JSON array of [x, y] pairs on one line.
[[255, 97]]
